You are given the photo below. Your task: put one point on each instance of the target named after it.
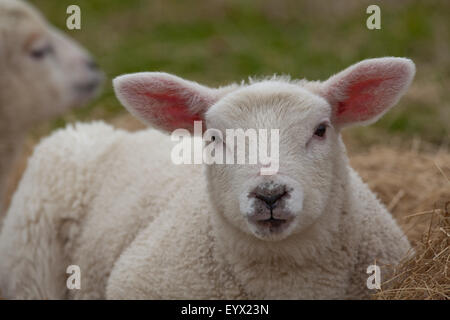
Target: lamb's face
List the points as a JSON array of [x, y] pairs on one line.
[[309, 117], [44, 73], [291, 198]]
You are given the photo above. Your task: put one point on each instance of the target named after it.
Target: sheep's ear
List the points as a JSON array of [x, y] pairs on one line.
[[164, 101], [362, 93]]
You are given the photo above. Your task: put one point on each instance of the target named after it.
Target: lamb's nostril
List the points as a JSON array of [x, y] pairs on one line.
[[272, 199]]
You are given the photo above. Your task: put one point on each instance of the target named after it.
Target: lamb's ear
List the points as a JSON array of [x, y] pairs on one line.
[[164, 101], [362, 93]]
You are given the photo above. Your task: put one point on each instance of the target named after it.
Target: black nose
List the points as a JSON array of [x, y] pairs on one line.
[[270, 198], [92, 65]]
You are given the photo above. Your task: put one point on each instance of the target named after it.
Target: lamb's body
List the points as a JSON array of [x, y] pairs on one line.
[[140, 226], [120, 209]]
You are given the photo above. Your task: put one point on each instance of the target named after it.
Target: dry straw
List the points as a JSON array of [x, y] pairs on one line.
[[416, 188], [427, 274]]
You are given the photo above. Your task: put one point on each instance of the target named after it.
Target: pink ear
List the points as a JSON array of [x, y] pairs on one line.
[[362, 93], [162, 100]]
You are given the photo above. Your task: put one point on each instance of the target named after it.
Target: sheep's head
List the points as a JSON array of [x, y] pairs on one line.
[[309, 116], [43, 72]]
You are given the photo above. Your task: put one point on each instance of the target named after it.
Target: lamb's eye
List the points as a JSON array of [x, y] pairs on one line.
[[321, 130], [41, 52], [216, 137]]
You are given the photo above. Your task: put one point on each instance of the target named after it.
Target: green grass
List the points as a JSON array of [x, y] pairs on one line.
[[216, 42]]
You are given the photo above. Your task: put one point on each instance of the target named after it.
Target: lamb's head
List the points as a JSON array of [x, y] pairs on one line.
[[273, 200], [44, 73]]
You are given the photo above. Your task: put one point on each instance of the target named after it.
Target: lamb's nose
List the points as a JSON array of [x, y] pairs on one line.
[[271, 198], [92, 65]]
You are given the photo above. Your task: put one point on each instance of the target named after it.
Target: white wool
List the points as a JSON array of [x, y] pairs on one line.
[[43, 74], [142, 227]]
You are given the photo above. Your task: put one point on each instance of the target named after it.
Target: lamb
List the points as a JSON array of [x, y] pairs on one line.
[[141, 227], [43, 74]]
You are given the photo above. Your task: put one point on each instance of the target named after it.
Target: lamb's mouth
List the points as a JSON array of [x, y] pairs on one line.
[[89, 89], [272, 225]]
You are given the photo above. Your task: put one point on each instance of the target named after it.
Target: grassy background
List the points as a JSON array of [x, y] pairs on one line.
[[218, 41]]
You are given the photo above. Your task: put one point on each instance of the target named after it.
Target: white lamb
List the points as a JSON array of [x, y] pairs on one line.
[[139, 226], [43, 74]]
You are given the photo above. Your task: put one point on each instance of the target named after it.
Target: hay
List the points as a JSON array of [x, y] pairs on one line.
[[416, 188], [426, 275], [411, 184]]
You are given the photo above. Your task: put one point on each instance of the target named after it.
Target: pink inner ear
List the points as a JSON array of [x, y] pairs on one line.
[[168, 105], [173, 113], [361, 102]]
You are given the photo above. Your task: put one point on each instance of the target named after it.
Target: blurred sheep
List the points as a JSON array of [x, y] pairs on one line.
[[43, 74]]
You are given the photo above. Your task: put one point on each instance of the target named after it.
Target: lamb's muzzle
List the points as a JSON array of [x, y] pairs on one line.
[[272, 206], [271, 197]]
